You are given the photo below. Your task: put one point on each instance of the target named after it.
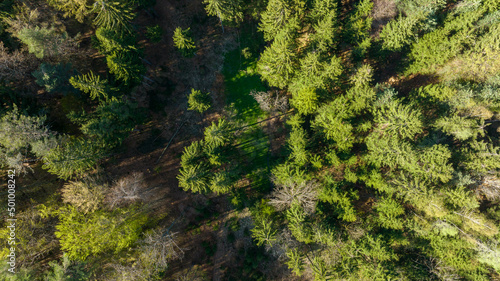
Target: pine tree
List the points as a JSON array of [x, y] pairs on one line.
[[111, 122], [388, 212], [54, 78], [183, 41], [92, 85], [225, 10], [78, 9], [218, 133], [295, 262], [277, 62], [481, 157], [126, 66], [305, 100], [332, 121], [297, 143], [400, 32], [198, 101], [399, 120], [113, 15], [45, 42], [276, 18], [459, 127], [81, 235], [73, 158], [112, 41], [193, 178]]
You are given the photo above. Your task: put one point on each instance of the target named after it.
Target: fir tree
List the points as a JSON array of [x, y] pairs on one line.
[[183, 41], [113, 15]]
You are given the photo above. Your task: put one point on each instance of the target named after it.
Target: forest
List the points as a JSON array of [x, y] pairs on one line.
[[278, 140]]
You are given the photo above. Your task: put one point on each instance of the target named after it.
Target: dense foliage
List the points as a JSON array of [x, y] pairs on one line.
[[386, 166]]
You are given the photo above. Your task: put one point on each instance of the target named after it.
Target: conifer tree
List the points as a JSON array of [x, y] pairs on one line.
[[225, 10], [277, 62], [198, 101], [73, 158], [113, 15], [183, 41], [78, 9], [399, 120], [92, 85], [276, 18], [54, 78]]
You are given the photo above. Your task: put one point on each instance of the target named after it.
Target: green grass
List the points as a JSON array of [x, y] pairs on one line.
[[241, 78]]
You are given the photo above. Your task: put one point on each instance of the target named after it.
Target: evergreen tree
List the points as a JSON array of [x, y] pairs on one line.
[[78, 9], [277, 62], [225, 10], [459, 127], [73, 158], [399, 120], [82, 235], [92, 85], [198, 101], [113, 15], [54, 78], [184, 42], [126, 66], [44, 42], [278, 18]]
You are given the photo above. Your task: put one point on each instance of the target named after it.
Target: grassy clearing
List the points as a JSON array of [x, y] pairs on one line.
[[241, 79]]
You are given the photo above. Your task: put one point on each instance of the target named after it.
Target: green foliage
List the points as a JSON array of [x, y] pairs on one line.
[[481, 157], [225, 10], [43, 42], [111, 41], [359, 23], [218, 134], [154, 33], [295, 262], [111, 121], [73, 158], [21, 134], [324, 14], [198, 101], [193, 178], [66, 271], [126, 66], [54, 78], [402, 31], [340, 199], [183, 41], [332, 120], [298, 225], [305, 100], [79, 9], [297, 143], [278, 17], [399, 120], [460, 127], [277, 62], [113, 15], [92, 85], [82, 235], [388, 212]]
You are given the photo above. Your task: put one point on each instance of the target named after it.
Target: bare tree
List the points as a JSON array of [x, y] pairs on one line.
[[156, 250], [490, 188], [160, 247], [127, 189], [304, 193], [15, 66], [271, 101]]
